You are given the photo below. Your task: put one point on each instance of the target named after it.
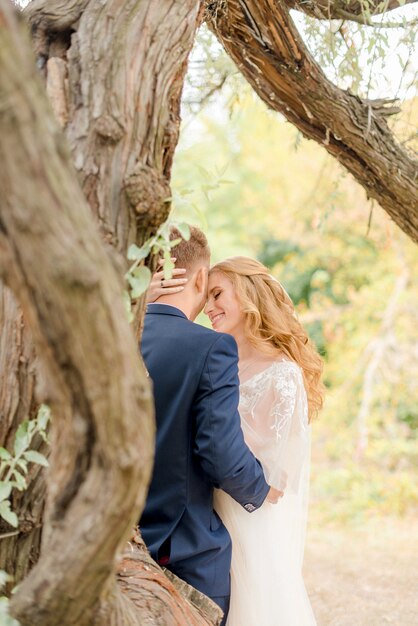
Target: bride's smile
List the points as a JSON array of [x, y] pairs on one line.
[[223, 307]]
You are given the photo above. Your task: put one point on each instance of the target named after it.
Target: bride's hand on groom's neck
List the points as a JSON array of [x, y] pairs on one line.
[[160, 286]]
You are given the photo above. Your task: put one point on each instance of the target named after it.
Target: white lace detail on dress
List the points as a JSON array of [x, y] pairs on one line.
[[284, 379]]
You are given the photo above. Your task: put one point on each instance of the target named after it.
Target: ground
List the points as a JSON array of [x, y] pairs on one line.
[[364, 574]]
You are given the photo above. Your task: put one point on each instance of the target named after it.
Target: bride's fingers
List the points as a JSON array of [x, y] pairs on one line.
[[176, 271], [166, 283], [167, 290], [160, 286], [155, 291], [163, 285]]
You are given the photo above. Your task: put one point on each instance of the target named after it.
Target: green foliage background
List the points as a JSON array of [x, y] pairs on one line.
[[258, 188]]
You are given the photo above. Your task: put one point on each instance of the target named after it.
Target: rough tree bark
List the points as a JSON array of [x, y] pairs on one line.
[[95, 385], [262, 39], [19, 550]]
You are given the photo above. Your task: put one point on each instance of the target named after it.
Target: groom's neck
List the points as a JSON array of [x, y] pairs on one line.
[[183, 304]]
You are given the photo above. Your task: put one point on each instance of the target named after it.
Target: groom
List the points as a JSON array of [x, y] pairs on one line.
[[199, 439]]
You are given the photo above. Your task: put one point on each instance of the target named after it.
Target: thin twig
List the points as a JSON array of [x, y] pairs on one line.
[[11, 534], [367, 21]]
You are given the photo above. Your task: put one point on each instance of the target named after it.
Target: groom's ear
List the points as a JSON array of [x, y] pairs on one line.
[[201, 280]]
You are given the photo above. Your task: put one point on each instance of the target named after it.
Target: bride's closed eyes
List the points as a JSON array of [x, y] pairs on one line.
[[213, 295], [223, 307]]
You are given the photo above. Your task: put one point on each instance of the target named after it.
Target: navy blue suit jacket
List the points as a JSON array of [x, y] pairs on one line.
[[199, 445]]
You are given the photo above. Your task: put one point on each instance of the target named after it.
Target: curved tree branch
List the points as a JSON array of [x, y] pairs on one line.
[[262, 39], [364, 20], [336, 9]]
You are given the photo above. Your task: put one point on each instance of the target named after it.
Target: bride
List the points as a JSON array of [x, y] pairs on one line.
[[280, 391]]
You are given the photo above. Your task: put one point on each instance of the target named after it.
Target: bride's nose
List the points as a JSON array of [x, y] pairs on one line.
[[208, 307]]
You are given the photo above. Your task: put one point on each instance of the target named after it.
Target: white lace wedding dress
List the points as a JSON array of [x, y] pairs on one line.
[[267, 588]]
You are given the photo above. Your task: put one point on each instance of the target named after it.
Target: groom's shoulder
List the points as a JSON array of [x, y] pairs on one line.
[[213, 339]]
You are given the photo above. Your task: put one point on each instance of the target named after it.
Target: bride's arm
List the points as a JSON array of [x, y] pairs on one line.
[[282, 429]]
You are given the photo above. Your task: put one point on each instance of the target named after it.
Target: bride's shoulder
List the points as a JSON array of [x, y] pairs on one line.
[[287, 364], [272, 371], [285, 369], [276, 371]]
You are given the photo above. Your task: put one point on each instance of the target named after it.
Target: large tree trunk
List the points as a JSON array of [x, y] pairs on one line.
[[121, 65], [122, 145], [262, 39], [72, 299]]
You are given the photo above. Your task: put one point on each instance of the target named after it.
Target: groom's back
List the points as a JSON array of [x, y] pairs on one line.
[[174, 351]]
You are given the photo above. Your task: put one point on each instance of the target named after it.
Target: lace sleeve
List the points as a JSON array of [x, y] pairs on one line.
[[275, 424]]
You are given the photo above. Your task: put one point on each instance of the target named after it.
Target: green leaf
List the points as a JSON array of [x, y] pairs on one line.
[[201, 216], [184, 230], [43, 417], [126, 301], [137, 254], [221, 170], [138, 272], [168, 266], [164, 231], [5, 618], [128, 306], [36, 457], [19, 481], [4, 578], [32, 427], [5, 491], [204, 172], [23, 465], [139, 283], [175, 242], [22, 439], [5, 455], [7, 514], [43, 436]]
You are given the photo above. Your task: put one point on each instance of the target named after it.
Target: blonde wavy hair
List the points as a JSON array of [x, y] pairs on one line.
[[271, 324]]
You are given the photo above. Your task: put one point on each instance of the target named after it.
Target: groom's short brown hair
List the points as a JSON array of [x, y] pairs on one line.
[[189, 253]]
